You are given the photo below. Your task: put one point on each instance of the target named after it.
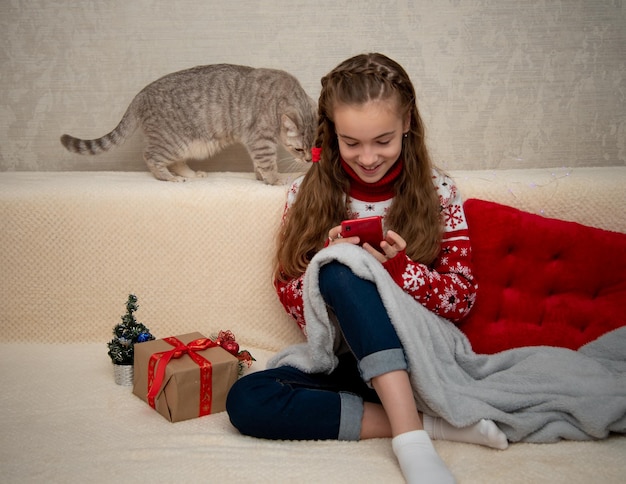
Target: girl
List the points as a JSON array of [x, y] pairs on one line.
[[370, 159]]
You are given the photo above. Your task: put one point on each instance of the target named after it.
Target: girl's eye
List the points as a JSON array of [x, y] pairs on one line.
[[353, 144]]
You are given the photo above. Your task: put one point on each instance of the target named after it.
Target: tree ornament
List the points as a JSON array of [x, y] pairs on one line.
[[226, 339]]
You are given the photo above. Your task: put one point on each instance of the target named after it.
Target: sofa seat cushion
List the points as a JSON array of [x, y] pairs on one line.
[[542, 281]]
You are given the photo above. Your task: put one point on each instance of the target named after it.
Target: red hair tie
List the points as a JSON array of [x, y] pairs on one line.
[[316, 154]]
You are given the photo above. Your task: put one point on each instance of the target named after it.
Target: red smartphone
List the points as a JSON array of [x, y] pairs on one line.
[[368, 229]]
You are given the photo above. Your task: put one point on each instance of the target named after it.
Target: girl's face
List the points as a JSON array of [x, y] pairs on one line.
[[370, 136]]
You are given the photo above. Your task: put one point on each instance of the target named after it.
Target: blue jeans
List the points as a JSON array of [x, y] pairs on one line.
[[286, 403]]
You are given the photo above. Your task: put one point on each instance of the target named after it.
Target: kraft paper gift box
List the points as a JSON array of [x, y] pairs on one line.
[[180, 379]]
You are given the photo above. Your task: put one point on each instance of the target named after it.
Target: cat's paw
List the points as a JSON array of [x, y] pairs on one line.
[[201, 174], [286, 178], [271, 179]]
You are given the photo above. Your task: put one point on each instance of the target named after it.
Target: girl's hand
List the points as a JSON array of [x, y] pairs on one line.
[[391, 246], [334, 237]]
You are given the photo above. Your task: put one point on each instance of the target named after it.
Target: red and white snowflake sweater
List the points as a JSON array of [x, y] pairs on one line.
[[446, 287]]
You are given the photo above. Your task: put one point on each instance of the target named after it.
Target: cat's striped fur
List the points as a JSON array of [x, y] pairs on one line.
[[195, 113]]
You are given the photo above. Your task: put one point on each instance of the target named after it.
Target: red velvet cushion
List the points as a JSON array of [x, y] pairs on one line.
[[542, 281]]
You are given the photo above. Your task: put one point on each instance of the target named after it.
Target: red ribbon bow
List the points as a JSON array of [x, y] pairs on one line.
[[155, 379]]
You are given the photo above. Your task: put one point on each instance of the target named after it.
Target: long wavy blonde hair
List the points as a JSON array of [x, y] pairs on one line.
[[321, 200]]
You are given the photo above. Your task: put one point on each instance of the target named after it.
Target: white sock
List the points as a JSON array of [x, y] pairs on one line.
[[419, 460], [485, 432]]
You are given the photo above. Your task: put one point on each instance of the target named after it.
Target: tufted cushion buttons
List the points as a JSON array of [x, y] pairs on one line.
[[542, 281]]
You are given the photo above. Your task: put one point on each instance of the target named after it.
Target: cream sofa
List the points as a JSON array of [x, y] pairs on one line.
[[198, 257]]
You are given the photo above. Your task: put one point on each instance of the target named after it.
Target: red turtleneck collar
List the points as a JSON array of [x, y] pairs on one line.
[[381, 190]]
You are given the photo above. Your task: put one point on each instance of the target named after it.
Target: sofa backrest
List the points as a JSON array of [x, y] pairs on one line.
[[197, 255]]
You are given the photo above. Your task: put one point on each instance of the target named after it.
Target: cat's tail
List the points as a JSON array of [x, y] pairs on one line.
[[118, 136]]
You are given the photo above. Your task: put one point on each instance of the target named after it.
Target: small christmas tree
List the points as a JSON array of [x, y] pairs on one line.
[[126, 334]]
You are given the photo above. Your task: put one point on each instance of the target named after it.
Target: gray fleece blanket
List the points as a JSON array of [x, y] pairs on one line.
[[534, 394]]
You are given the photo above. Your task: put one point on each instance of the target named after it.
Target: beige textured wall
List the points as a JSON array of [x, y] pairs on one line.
[[501, 83]]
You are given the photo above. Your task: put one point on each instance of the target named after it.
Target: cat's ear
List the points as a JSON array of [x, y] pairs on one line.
[[289, 126]]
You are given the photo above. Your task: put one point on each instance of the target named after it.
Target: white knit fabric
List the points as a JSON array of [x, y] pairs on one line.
[[64, 420], [198, 256]]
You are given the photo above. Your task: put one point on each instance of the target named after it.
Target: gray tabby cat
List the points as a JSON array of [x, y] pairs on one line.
[[195, 113]]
